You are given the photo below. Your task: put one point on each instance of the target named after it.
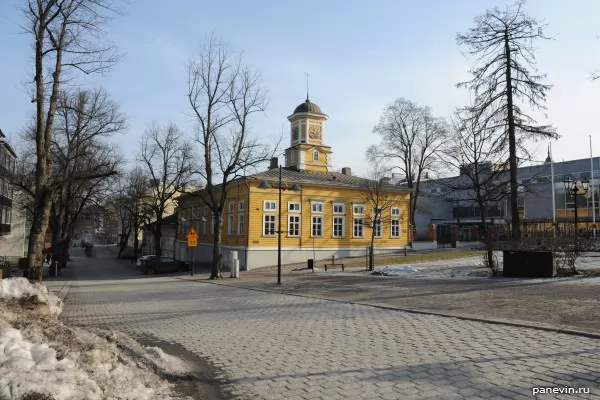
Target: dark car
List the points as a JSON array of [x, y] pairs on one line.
[[163, 264]]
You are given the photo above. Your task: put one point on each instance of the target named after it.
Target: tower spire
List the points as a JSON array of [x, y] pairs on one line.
[[306, 73]]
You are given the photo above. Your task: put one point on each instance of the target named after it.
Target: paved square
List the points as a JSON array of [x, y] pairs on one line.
[[276, 346]]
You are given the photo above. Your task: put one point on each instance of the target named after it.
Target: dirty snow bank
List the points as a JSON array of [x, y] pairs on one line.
[[20, 289], [39, 354]]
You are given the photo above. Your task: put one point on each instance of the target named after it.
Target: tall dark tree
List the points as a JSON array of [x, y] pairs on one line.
[[506, 82], [224, 93], [67, 36]]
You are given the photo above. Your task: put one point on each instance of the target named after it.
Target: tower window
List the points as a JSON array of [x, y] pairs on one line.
[[316, 156], [292, 157]]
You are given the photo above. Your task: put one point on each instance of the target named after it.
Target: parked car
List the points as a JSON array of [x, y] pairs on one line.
[[163, 264], [142, 258]]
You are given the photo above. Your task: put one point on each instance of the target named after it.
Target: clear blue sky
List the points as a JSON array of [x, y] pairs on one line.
[[360, 56]]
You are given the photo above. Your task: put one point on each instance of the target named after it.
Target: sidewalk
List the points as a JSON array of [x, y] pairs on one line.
[[570, 305]]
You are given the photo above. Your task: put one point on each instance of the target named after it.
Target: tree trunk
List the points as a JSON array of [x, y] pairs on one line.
[[512, 146], [157, 236], [39, 225], [136, 244], [215, 272]]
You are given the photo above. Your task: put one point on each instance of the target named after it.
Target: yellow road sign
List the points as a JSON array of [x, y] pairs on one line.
[[192, 242], [192, 234]]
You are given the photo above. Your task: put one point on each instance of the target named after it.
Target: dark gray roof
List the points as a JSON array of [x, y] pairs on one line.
[[291, 176], [308, 106]]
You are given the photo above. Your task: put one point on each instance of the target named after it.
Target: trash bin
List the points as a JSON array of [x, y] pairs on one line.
[[311, 263]]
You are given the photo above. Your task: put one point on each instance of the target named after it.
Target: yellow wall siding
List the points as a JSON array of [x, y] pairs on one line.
[[327, 195]]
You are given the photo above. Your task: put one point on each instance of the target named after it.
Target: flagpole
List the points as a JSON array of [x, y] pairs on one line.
[[592, 186], [553, 192]]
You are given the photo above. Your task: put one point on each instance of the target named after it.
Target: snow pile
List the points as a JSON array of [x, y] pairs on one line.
[[20, 289], [40, 355], [394, 270]]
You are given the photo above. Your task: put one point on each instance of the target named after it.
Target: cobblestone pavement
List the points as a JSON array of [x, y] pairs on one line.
[[277, 346]]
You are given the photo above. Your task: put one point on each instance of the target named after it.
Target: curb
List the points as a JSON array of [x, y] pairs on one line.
[[546, 328]]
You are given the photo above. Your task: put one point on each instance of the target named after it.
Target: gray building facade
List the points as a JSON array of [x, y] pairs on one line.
[[448, 201]]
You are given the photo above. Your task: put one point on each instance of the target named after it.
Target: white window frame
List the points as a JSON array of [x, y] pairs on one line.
[[313, 224], [297, 224], [240, 227], [338, 204], [343, 223], [314, 203], [361, 210], [294, 207], [395, 228], [272, 220], [231, 219], [355, 225], [316, 155], [395, 212], [269, 205]]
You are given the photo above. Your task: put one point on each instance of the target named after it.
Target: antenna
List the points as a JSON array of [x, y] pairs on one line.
[[306, 73]]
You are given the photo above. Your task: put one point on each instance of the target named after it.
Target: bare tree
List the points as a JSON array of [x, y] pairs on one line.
[[67, 35], [170, 163], [374, 194], [130, 202], [413, 137], [504, 76], [473, 149], [224, 93]]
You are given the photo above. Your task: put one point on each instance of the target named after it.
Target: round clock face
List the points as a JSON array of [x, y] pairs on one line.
[[315, 132]]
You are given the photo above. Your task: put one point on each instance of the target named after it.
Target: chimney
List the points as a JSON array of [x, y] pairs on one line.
[[346, 171], [274, 163]]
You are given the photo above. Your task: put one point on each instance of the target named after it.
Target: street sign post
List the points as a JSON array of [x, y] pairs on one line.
[[192, 238]]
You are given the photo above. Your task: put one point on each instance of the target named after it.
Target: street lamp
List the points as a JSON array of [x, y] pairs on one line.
[[192, 219], [295, 188], [576, 188]]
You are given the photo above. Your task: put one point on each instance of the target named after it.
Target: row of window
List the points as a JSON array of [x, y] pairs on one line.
[[338, 226], [317, 207]]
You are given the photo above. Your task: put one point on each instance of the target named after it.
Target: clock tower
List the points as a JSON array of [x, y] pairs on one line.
[[307, 149]]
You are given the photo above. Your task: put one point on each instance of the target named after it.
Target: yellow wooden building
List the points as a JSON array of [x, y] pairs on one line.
[[326, 217]]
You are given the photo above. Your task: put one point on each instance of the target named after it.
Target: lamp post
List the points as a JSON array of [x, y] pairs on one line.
[[296, 188], [576, 188]]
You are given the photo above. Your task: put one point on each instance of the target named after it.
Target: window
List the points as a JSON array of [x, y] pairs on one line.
[[338, 208], [316, 155], [294, 225], [317, 226], [338, 227], [395, 211], [291, 157], [395, 228], [293, 207], [240, 224], [358, 227], [204, 221], [240, 227], [231, 218], [269, 224], [270, 205], [316, 207], [377, 211], [359, 209]]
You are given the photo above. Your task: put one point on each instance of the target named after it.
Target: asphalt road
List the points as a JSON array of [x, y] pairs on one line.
[[262, 345]]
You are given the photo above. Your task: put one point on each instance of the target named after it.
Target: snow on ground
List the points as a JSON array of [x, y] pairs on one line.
[[39, 354]]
